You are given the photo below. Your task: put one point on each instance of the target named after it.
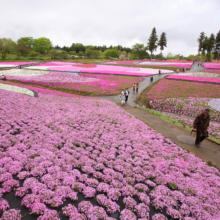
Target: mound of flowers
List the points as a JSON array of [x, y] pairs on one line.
[[92, 84], [69, 148], [23, 72], [15, 63], [184, 106], [216, 71], [195, 78]]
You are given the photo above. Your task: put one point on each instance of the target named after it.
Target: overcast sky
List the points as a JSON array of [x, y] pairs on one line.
[[111, 22]]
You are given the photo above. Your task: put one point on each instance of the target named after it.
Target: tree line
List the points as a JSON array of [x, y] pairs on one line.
[[209, 47], [28, 47]]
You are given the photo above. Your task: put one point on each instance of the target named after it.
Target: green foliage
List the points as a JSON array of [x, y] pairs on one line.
[[172, 186], [53, 54], [111, 53], [169, 56], [92, 53], [33, 54], [7, 45], [42, 45], [217, 46], [162, 42], [152, 41], [139, 51], [24, 45]]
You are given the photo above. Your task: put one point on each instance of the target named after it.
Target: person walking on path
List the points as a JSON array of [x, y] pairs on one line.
[[159, 72], [133, 87], [126, 95], [122, 98], [137, 86], [200, 125]]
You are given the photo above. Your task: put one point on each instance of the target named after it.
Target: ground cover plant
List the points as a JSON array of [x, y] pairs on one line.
[[92, 160], [98, 69], [201, 74], [184, 106], [194, 78], [166, 88], [82, 83], [212, 65], [217, 71]]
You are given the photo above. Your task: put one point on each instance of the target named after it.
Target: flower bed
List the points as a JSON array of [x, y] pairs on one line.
[[91, 84], [195, 78], [184, 106], [216, 71], [201, 74], [74, 147], [15, 63], [177, 88], [212, 65]]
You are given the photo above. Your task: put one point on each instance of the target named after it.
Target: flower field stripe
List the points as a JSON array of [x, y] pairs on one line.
[[195, 78]]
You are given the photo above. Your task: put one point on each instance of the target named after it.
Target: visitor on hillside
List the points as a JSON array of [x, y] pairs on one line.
[[151, 79], [133, 87], [177, 70], [159, 72], [122, 98], [3, 78], [126, 95], [137, 86], [200, 125]]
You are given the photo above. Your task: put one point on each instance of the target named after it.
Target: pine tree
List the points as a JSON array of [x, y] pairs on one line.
[[217, 46], [210, 45], [201, 41], [163, 41], [152, 41]]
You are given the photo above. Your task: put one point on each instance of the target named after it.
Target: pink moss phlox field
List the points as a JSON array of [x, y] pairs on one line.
[[212, 65], [217, 71], [179, 88], [67, 147], [194, 78], [184, 106], [91, 83], [54, 77]]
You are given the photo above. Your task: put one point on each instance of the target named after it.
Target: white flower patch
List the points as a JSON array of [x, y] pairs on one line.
[[17, 89], [215, 104], [22, 72], [201, 74]]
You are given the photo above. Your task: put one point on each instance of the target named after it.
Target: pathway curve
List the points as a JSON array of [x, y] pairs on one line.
[[208, 151], [196, 68]]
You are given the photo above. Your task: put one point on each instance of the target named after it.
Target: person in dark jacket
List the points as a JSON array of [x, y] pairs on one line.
[[201, 124]]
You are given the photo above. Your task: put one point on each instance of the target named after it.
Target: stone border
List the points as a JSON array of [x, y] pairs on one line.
[[18, 90]]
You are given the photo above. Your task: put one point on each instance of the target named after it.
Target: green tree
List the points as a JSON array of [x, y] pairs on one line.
[[77, 47], [152, 41], [201, 41], [53, 54], [139, 51], [217, 46], [162, 42], [7, 45], [33, 54], [93, 53], [42, 45], [111, 53], [24, 45], [81, 54], [169, 56], [210, 46]]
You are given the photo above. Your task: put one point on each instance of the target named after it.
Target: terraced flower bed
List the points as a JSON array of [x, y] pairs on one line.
[[84, 158], [89, 84], [195, 78]]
